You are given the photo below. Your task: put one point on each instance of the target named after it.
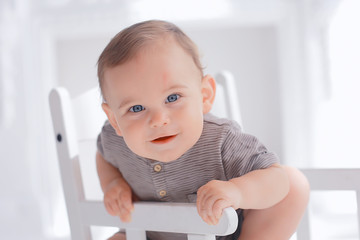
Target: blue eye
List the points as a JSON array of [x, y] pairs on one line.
[[136, 108], [172, 98]]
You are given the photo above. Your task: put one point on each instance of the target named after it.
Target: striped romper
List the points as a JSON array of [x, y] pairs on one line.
[[223, 152]]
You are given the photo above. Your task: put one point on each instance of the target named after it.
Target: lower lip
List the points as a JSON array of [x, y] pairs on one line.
[[163, 140]]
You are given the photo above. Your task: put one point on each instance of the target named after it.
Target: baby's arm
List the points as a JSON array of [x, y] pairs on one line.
[[117, 192], [257, 189]]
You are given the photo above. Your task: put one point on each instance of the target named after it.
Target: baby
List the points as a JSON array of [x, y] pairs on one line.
[[161, 144]]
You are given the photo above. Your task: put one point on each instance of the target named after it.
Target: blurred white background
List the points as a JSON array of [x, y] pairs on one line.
[[295, 62]]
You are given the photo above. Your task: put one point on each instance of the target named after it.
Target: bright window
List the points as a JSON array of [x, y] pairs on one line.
[[338, 121]]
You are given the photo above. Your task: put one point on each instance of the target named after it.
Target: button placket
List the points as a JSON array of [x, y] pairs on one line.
[[159, 181]]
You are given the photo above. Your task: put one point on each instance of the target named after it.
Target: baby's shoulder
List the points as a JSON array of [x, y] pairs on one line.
[[220, 129], [220, 124], [107, 128], [108, 133]]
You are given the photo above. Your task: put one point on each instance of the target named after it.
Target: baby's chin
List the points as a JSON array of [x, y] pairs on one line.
[[165, 156], [173, 154]]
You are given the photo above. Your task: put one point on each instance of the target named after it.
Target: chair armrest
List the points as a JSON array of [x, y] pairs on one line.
[[162, 217]]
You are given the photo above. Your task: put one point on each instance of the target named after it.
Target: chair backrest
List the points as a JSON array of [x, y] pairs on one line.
[[77, 122], [226, 102]]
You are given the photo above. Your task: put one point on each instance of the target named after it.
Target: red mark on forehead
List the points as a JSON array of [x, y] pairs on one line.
[[165, 79]]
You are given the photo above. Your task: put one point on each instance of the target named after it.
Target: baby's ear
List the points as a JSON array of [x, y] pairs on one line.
[[208, 90], [111, 116]]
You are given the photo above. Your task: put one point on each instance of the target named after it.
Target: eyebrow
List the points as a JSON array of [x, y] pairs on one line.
[[127, 101], [177, 86]]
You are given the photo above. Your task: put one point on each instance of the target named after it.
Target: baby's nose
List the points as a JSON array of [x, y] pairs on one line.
[[159, 119]]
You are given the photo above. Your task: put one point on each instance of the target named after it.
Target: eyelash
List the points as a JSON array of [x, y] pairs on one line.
[[139, 108]]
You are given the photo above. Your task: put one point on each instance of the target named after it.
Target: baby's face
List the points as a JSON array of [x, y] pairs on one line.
[[156, 101]]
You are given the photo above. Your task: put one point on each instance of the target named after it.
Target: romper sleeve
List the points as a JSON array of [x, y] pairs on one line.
[[243, 153], [107, 142], [99, 145]]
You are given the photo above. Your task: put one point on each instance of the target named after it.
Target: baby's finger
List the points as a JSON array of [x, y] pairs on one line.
[[202, 197], [204, 216], [208, 204], [109, 209], [205, 212], [112, 208], [125, 215], [201, 211], [218, 208], [116, 207], [126, 202], [200, 207]]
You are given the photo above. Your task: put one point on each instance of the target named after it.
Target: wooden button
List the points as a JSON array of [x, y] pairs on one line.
[[162, 193], [157, 168]]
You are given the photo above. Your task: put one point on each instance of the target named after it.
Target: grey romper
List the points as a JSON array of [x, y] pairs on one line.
[[223, 152]]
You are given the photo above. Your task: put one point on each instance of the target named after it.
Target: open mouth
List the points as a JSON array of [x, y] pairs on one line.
[[165, 139]]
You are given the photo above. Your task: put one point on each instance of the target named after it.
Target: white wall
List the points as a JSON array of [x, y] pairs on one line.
[[250, 53]]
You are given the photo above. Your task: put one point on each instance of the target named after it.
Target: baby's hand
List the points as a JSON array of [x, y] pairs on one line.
[[213, 197], [118, 199]]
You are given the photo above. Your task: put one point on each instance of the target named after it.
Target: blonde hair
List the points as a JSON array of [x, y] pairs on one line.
[[127, 43]]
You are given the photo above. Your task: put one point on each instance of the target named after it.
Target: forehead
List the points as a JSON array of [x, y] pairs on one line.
[[164, 54], [160, 62], [165, 45]]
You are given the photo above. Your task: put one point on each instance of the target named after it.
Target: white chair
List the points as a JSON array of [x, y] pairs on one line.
[[77, 122]]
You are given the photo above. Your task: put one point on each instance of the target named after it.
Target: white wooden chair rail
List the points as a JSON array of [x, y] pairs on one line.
[[330, 180], [162, 217]]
